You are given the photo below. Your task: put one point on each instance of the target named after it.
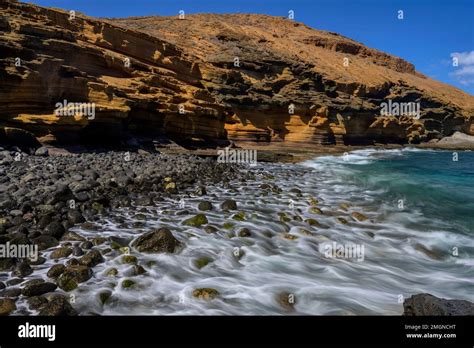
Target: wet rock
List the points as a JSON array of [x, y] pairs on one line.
[[75, 217], [316, 210], [431, 253], [91, 259], [55, 271], [57, 306], [79, 273], [36, 302], [240, 216], [342, 220], [54, 229], [205, 293], [61, 253], [38, 289], [244, 232], [22, 270], [159, 241], [129, 259], [196, 221], [7, 305], [111, 272], [286, 300], [200, 191], [66, 283], [45, 242], [104, 296], [229, 204], [344, 206], [202, 262], [11, 292], [127, 283], [290, 236], [77, 251], [72, 236], [426, 304], [138, 270], [205, 206], [210, 229], [359, 216]]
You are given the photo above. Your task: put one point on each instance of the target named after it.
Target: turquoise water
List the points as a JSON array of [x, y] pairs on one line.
[[427, 181]]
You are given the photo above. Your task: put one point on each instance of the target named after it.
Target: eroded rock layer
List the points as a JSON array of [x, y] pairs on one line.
[[211, 78]]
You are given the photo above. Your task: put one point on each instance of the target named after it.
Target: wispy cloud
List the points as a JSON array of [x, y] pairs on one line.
[[464, 71]]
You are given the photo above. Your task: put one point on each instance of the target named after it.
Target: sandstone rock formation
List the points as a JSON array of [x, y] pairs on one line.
[[209, 79]]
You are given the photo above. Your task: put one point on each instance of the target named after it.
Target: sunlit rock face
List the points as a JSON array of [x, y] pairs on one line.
[[211, 79]]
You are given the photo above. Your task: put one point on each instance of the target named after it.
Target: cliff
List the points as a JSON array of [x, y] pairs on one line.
[[211, 78]]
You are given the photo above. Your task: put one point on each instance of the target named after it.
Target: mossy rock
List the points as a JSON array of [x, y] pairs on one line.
[[111, 272], [66, 283], [316, 210], [297, 218], [196, 221], [127, 284], [431, 253], [97, 206], [202, 262], [114, 245], [290, 236], [286, 300], [205, 293], [7, 305], [244, 232], [210, 229], [342, 220], [359, 216], [104, 296], [240, 216], [228, 225], [312, 222], [344, 206], [313, 202], [129, 259], [138, 270], [284, 218], [98, 240], [60, 253]]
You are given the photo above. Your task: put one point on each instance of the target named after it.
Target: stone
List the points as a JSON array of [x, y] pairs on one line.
[[158, 241], [61, 253], [57, 306], [7, 305], [38, 289], [91, 259], [205, 293], [205, 206], [359, 216], [427, 304], [55, 271], [229, 204], [196, 221]]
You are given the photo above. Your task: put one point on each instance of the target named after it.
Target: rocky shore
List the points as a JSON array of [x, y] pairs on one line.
[[42, 197]]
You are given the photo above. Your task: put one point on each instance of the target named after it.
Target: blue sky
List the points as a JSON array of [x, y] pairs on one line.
[[431, 33]]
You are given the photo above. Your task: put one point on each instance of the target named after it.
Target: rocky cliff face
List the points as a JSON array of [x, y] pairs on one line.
[[211, 78]]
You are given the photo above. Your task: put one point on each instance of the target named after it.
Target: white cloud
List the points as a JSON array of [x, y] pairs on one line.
[[464, 58], [464, 71]]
